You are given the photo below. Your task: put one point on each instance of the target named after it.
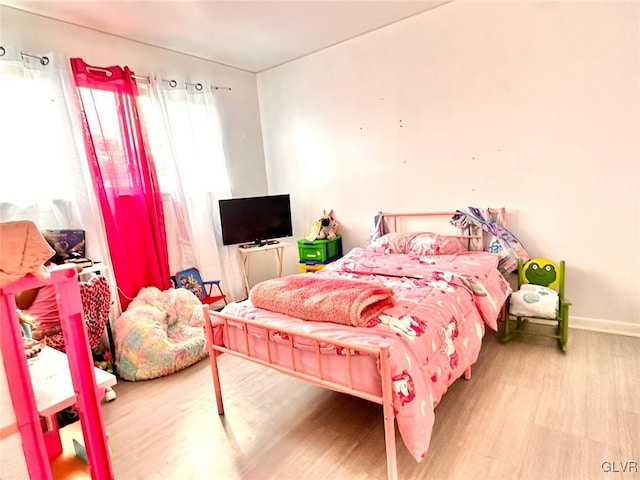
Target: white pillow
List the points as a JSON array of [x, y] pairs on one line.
[[535, 301]]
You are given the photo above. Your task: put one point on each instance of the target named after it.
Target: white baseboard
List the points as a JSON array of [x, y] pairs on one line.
[[605, 326], [597, 325]]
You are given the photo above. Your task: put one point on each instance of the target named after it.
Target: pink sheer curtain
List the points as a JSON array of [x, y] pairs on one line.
[[124, 178]]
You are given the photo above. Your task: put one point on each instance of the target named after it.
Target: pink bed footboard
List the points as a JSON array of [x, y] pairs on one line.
[[347, 385]]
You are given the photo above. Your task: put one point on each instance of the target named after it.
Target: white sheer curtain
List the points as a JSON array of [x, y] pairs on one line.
[[184, 133], [44, 174]]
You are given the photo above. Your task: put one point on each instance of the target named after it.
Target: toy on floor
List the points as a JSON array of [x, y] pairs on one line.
[[105, 362], [81, 450]]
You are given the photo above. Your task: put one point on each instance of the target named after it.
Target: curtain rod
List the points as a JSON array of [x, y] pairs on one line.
[[173, 83], [43, 60]]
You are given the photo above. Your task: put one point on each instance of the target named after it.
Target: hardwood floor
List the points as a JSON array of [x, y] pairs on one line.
[[529, 412]]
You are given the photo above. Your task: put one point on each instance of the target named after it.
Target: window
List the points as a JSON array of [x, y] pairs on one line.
[[37, 150]]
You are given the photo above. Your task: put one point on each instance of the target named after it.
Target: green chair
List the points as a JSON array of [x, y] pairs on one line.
[[540, 295]]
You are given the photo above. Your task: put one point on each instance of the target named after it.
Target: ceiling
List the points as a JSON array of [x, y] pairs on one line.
[[248, 35]]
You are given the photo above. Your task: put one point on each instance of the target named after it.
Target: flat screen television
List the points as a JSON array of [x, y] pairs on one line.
[[255, 220]]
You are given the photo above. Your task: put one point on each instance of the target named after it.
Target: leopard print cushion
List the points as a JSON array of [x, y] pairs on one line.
[[96, 302]]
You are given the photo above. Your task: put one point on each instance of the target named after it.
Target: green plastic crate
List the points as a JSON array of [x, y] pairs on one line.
[[320, 251]]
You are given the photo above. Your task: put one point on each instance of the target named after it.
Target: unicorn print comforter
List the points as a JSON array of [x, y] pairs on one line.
[[434, 328]]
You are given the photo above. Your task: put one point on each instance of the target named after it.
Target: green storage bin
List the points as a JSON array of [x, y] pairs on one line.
[[320, 251]]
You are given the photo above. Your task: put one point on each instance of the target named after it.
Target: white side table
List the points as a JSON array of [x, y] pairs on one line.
[[246, 251]]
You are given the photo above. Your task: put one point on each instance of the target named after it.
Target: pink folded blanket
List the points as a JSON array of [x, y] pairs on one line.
[[323, 299], [23, 250]]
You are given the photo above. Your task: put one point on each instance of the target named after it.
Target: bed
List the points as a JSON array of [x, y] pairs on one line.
[[424, 301]]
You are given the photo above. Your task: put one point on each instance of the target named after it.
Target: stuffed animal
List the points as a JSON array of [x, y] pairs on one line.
[[327, 228]]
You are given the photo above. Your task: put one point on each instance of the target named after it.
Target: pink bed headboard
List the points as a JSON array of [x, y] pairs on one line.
[[439, 222]]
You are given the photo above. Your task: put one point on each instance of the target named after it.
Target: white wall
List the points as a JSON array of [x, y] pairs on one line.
[[534, 106], [238, 107]]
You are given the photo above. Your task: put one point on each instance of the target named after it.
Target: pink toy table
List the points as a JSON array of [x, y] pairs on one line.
[[54, 380]]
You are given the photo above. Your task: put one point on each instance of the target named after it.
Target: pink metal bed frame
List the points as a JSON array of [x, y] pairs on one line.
[[381, 353]]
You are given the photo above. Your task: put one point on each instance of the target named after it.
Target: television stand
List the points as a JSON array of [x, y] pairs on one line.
[[259, 244], [247, 249]]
